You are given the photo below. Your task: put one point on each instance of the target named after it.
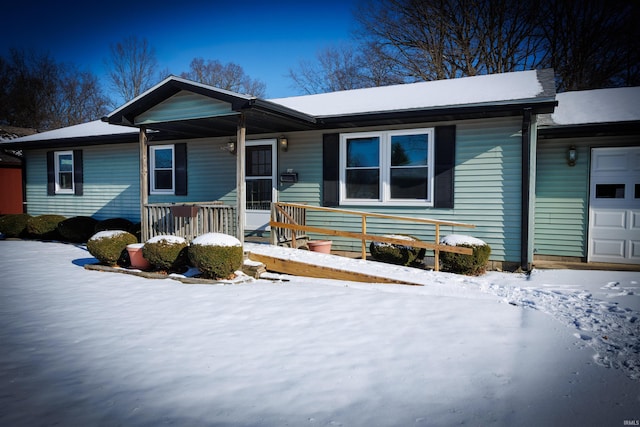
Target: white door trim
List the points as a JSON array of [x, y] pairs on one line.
[[258, 220]]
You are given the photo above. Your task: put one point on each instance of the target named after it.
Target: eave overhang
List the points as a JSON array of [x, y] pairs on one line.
[[439, 113], [589, 130]]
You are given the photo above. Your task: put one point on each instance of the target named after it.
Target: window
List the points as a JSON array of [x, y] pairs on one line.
[[64, 172], [387, 167], [610, 191], [162, 163]]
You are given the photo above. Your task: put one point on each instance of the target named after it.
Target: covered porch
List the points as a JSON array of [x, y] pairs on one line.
[[181, 110]]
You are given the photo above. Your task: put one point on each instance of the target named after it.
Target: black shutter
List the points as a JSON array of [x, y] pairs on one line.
[[78, 173], [330, 169], [445, 159], [51, 174], [180, 152]]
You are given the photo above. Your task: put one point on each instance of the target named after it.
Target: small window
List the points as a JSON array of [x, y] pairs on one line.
[[64, 172], [162, 169], [637, 195], [610, 191]]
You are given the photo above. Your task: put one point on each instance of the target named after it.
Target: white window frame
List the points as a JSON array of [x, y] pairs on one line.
[[152, 169], [59, 189], [384, 165]]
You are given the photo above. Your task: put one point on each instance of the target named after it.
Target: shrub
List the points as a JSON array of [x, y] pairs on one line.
[[14, 225], [392, 253], [44, 226], [216, 255], [113, 224], [465, 264], [167, 253], [108, 246], [77, 229]]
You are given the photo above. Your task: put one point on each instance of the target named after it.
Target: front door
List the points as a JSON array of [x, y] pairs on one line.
[[261, 183], [614, 205]]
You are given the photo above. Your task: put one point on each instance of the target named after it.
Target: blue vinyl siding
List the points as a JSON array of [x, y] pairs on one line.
[[487, 190], [111, 184]]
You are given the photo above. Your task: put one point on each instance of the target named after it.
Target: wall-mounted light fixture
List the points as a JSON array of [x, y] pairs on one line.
[[283, 142], [230, 146], [572, 156]]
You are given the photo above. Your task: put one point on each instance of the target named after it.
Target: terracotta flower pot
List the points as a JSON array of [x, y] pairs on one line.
[[135, 255], [323, 246]]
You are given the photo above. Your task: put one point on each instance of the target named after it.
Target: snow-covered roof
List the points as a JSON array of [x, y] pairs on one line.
[[94, 128], [439, 93], [595, 107]]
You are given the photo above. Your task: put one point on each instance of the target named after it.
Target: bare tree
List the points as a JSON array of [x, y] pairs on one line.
[[592, 43], [79, 99], [132, 68], [440, 39], [343, 68], [228, 76], [38, 92]]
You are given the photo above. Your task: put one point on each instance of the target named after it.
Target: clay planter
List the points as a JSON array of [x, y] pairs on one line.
[[135, 255], [323, 246]]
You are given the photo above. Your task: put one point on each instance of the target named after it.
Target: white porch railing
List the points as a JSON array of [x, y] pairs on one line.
[[188, 220]]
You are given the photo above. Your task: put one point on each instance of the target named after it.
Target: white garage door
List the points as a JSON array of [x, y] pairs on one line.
[[614, 208]]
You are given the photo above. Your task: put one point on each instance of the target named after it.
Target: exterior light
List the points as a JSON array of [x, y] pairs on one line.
[[231, 147], [572, 156], [284, 143]]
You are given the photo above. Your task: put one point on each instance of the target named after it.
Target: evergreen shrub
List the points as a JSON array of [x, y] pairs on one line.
[[108, 246], [474, 264], [393, 253], [216, 255], [44, 226], [14, 225], [113, 224], [77, 229], [168, 253]]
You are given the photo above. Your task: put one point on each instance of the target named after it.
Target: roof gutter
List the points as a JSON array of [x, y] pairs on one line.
[[528, 165]]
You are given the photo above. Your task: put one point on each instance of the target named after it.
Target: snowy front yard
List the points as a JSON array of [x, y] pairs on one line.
[[82, 347]]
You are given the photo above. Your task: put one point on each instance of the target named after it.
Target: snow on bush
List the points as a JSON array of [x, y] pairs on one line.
[[393, 253], [216, 255], [110, 246], [165, 252], [474, 264]]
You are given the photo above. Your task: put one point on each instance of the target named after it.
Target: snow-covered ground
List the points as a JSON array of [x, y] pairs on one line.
[[81, 347]]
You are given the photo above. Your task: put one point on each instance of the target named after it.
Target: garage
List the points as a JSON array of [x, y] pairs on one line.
[[614, 205]]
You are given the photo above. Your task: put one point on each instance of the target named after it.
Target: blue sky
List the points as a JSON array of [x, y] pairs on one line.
[[265, 37]]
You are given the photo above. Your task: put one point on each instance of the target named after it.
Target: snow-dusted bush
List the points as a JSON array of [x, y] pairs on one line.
[[392, 253], [108, 246], [216, 255], [14, 225], [166, 252], [113, 224], [44, 226], [77, 229], [465, 264]]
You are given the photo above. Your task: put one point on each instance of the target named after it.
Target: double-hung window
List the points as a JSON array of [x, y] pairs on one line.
[[387, 167], [162, 173], [64, 182]]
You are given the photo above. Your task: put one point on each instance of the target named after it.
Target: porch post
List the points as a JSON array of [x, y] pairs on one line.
[[144, 185], [241, 200]]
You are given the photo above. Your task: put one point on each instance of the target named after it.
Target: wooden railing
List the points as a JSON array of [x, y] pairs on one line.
[[292, 217], [188, 220]]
